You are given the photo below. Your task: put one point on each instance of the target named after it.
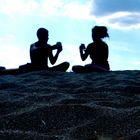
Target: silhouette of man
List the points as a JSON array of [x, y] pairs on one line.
[[40, 52]]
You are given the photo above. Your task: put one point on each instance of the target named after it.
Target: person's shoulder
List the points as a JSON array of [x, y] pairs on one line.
[[33, 46], [104, 44], [90, 45], [101, 44], [48, 45]]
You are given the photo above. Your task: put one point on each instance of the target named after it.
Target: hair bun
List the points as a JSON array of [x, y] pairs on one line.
[[101, 31]]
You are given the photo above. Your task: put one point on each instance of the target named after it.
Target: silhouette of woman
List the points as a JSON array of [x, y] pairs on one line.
[[98, 52]]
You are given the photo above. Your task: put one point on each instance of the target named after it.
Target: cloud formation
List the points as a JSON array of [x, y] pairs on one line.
[[105, 7], [18, 7], [73, 9], [117, 13]]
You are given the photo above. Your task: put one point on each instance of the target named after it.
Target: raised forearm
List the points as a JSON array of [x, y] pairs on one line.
[[53, 58], [83, 55]]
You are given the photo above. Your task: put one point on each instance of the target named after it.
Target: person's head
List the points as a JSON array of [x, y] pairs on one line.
[[43, 35], [99, 32]]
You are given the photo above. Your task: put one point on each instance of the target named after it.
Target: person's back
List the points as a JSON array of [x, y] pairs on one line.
[[97, 50], [39, 56], [40, 52]]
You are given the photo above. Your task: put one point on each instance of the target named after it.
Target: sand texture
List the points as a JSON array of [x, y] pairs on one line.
[[47, 105]]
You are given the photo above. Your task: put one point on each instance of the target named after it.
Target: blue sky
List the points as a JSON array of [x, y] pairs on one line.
[[70, 22]]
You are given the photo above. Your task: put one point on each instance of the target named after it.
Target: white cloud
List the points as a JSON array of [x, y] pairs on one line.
[[114, 13], [72, 9], [117, 13], [77, 10], [45, 8], [106, 7], [121, 20], [18, 7], [50, 8]]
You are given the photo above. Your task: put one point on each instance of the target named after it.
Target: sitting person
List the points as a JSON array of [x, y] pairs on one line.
[[2, 68], [40, 51], [98, 52]]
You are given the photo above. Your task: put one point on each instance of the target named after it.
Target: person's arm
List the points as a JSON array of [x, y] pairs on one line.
[[53, 58], [106, 52], [83, 52]]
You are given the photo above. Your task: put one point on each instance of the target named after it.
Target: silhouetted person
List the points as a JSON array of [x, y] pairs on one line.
[[40, 52], [2, 68], [97, 50]]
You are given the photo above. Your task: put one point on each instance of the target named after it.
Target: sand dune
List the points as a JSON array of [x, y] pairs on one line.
[[47, 105]]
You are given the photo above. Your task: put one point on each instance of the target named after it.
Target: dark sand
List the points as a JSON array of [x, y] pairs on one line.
[[67, 106]]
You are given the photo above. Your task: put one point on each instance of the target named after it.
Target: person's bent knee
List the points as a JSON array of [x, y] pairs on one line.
[[66, 65], [78, 69]]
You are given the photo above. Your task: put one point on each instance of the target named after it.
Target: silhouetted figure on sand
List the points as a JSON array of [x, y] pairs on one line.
[[40, 52], [98, 52], [2, 68]]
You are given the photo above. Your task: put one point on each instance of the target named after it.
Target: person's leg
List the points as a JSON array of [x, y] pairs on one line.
[[101, 67], [78, 69], [88, 68], [98, 68], [26, 68], [9, 71], [61, 67]]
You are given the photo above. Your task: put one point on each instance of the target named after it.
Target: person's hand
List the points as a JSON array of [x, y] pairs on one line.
[[59, 46], [82, 47]]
